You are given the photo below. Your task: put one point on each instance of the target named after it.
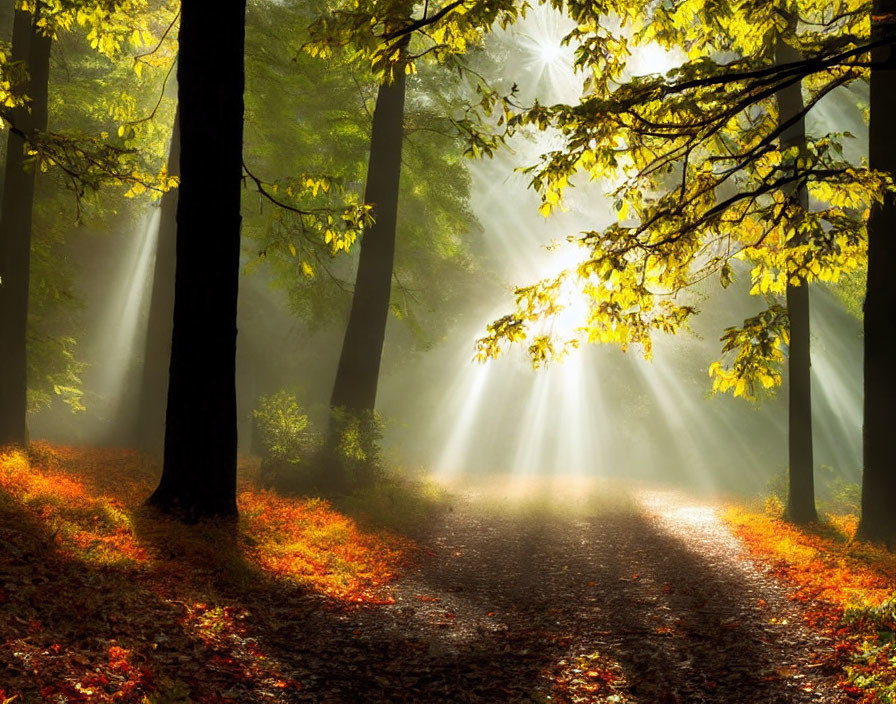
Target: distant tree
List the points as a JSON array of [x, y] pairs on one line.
[[199, 473], [444, 30], [801, 467], [357, 375], [878, 521], [30, 46]]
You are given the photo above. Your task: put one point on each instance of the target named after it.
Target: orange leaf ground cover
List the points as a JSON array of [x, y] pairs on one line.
[[101, 600], [843, 585]]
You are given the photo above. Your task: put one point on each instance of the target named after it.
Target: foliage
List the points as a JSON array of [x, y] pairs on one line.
[[356, 449], [295, 460], [329, 147], [842, 497], [101, 135], [88, 161], [850, 290], [846, 589], [875, 668], [704, 180], [54, 363], [388, 35], [838, 497], [282, 426]]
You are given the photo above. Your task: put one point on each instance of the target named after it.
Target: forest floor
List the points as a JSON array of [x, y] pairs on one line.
[[505, 594]]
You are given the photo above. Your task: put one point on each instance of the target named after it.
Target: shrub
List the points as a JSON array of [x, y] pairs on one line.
[[286, 438], [355, 447]]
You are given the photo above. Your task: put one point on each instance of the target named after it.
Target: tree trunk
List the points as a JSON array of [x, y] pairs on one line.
[[149, 431], [801, 480], [33, 49], [359, 364], [878, 521], [199, 474]]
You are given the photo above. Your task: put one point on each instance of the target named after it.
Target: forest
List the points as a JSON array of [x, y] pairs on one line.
[[448, 351]]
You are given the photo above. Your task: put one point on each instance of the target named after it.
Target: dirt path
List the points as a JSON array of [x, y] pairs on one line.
[[635, 599]]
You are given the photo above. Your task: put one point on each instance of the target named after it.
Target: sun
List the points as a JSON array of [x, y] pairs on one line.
[[549, 53]]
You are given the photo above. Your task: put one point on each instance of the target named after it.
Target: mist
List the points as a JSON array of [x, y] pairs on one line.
[[601, 412], [450, 352]]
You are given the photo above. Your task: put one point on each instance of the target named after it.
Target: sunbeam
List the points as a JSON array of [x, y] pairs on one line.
[[122, 329]]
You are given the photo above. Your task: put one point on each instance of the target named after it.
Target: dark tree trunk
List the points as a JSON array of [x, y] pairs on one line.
[[199, 475], [33, 49], [149, 431], [801, 480], [359, 364], [878, 521]]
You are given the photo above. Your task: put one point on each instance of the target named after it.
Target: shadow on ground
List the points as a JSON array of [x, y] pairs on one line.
[[523, 603]]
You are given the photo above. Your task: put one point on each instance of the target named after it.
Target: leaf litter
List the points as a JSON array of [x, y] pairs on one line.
[[644, 599]]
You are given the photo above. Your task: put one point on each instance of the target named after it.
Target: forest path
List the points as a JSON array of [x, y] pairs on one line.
[[638, 597]]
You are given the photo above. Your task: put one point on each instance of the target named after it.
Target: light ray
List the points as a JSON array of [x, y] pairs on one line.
[[123, 327]]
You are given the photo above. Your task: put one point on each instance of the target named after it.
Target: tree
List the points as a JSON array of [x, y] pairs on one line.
[[801, 481], [199, 473], [446, 30], [359, 363], [31, 46], [878, 522]]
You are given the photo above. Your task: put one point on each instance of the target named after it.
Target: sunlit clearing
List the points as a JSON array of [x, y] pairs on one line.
[[87, 500], [576, 426], [676, 506], [529, 458], [565, 495], [600, 412]]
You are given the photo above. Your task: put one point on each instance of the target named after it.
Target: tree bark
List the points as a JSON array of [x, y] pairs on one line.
[[801, 480], [357, 376], [149, 431], [199, 473], [31, 48], [878, 522]]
